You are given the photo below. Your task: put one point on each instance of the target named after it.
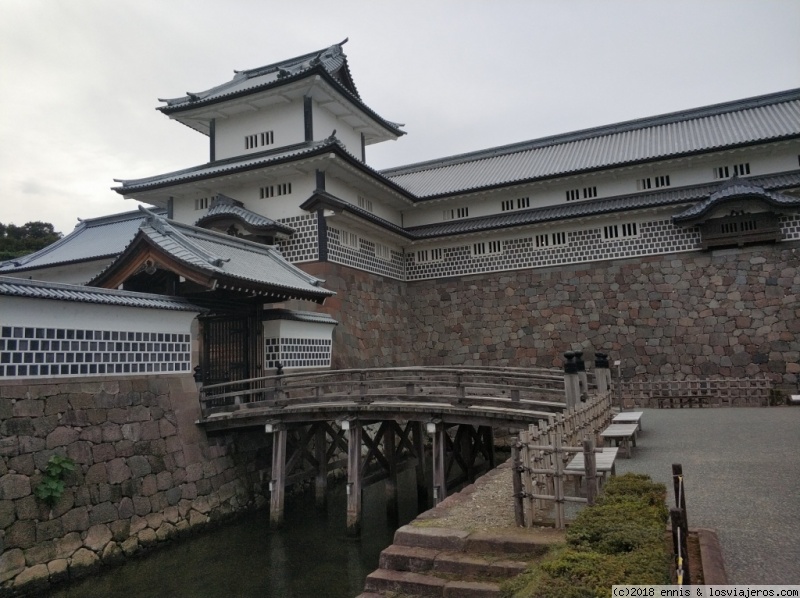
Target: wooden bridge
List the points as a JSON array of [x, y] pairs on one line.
[[379, 418]]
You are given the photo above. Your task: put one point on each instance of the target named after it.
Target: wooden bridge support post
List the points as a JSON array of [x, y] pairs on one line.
[[488, 441], [422, 479], [321, 480], [572, 388], [277, 485], [353, 478], [439, 476], [390, 452]]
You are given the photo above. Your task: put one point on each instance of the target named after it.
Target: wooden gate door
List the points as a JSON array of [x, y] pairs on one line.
[[230, 348]]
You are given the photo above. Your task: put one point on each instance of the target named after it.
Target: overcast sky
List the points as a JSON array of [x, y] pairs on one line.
[[79, 79]]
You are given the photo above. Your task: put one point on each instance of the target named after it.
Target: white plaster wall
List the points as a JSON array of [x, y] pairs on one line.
[[47, 313], [70, 274], [693, 171], [342, 190], [294, 329], [285, 120], [325, 123]]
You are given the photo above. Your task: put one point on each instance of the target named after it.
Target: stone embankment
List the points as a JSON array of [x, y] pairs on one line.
[[465, 547], [144, 474]]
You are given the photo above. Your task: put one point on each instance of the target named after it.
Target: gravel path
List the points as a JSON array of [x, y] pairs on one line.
[[742, 475]]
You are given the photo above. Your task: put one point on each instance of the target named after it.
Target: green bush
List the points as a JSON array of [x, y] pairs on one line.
[[618, 541], [51, 487]]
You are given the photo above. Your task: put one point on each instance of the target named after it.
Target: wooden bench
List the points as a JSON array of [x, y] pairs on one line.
[[629, 417], [624, 435], [603, 465]]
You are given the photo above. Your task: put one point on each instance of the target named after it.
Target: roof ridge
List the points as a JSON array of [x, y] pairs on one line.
[[600, 131]]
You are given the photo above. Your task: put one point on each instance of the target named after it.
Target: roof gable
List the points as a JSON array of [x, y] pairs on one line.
[[212, 260]]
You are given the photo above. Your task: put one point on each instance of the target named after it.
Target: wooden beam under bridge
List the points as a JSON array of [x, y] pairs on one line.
[[388, 445]]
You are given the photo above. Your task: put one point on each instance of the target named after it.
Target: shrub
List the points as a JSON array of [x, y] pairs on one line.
[[618, 541], [51, 487]]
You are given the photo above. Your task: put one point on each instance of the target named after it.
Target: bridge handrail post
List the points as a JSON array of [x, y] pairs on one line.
[[572, 389]]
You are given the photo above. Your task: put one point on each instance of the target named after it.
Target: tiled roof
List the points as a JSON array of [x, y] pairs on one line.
[[594, 207], [257, 221], [91, 239], [298, 316], [255, 161], [330, 63], [230, 259], [744, 122], [34, 289], [237, 164], [737, 188], [332, 59]]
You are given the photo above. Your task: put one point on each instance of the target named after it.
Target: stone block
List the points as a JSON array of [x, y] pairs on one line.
[[30, 444], [141, 505], [118, 471], [9, 447], [147, 537], [130, 546], [76, 520], [139, 466], [125, 448], [48, 530], [174, 495], [33, 579], [125, 508], [112, 554], [75, 418], [22, 464], [30, 508], [7, 513], [61, 436], [149, 485], [41, 553], [12, 563], [111, 432], [132, 431], [97, 474], [66, 546], [103, 513], [97, 538], [164, 480], [58, 570], [28, 408], [120, 530], [83, 562], [80, 452], [13, 486], [165, 531]]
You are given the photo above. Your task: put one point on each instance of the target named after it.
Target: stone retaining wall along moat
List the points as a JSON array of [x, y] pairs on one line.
[[144, 472]]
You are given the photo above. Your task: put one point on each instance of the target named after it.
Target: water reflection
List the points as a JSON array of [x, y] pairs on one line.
[[310, 557]]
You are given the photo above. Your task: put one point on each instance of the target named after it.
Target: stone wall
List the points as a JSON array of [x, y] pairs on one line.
[[731, 312], [373, 312], [145, 472]]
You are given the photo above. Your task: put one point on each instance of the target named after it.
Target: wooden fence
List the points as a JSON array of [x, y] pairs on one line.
[[713, 392], [546, 448], [531, 388]]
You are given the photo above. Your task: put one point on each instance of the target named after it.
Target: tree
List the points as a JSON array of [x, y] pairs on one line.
[[16, 241]]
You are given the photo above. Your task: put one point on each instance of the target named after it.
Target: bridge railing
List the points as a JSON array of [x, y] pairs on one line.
[[528, 389]]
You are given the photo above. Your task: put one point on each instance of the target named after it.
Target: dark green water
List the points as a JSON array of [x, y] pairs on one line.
[[309, 558]]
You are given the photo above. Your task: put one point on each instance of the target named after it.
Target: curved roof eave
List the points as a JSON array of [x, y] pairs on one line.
[[316, 70], [151, 183]]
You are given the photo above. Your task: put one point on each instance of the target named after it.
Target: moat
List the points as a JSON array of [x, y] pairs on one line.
[[310, 556]]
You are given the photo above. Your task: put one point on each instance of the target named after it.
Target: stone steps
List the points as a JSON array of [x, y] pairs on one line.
[[440, 562]]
